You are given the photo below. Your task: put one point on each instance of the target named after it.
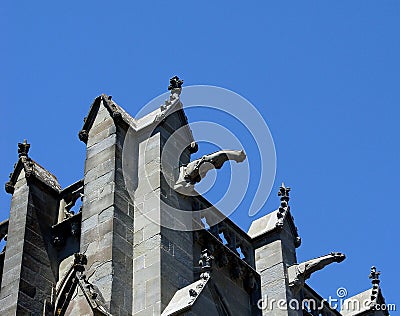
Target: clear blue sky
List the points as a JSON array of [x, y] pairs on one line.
[[324, 75]]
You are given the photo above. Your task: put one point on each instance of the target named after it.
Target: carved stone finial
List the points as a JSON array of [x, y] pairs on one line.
[[284, 207], [175, 83], [193, 147], [23, 149], [284, 192], [80, 259], [205, 262], [374, 275]]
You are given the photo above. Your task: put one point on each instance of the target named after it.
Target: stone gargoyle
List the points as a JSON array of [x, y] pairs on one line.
[[299, 273], [196, 170]]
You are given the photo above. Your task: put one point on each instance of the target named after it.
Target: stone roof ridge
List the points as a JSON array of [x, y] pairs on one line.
[[171, 105], [283, 212], [116, 112], [368, 299], [375, 291], [275, 220], [186, 297], [73, 279], [120, 116], [31, 169]]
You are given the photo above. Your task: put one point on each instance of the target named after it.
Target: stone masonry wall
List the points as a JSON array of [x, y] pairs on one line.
[[30, 267], [107, 222], [273, 254]]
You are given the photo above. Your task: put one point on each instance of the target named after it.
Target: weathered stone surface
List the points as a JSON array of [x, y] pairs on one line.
[[138, 254], [29, 258]]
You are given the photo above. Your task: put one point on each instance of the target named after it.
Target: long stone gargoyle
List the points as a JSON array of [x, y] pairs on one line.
[[299, 273], [196, 170]]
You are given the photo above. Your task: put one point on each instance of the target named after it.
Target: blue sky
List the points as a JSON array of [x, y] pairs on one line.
[[324, 75]]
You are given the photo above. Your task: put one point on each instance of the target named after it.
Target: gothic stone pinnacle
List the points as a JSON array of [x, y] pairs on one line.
[[175, 83], [23, 149], [374, 275]]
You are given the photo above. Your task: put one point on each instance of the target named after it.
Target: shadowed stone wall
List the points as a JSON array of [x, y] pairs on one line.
[[107, 215], [30, 266]]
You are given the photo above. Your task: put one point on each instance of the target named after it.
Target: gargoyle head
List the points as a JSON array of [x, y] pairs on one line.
[[338, 256]]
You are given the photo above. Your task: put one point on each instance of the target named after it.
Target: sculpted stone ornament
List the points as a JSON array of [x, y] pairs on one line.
[[299, 273], [76, 278], [83, 136], [9, 187], [193, 147], [80, 259], [175, 86], [374, 276], [284, 208], [196, 170], [205, 263], [175, 83], [23, 149]]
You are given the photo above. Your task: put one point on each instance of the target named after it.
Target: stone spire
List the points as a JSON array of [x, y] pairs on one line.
[[23, 149], [284, 207], [374, 276]]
